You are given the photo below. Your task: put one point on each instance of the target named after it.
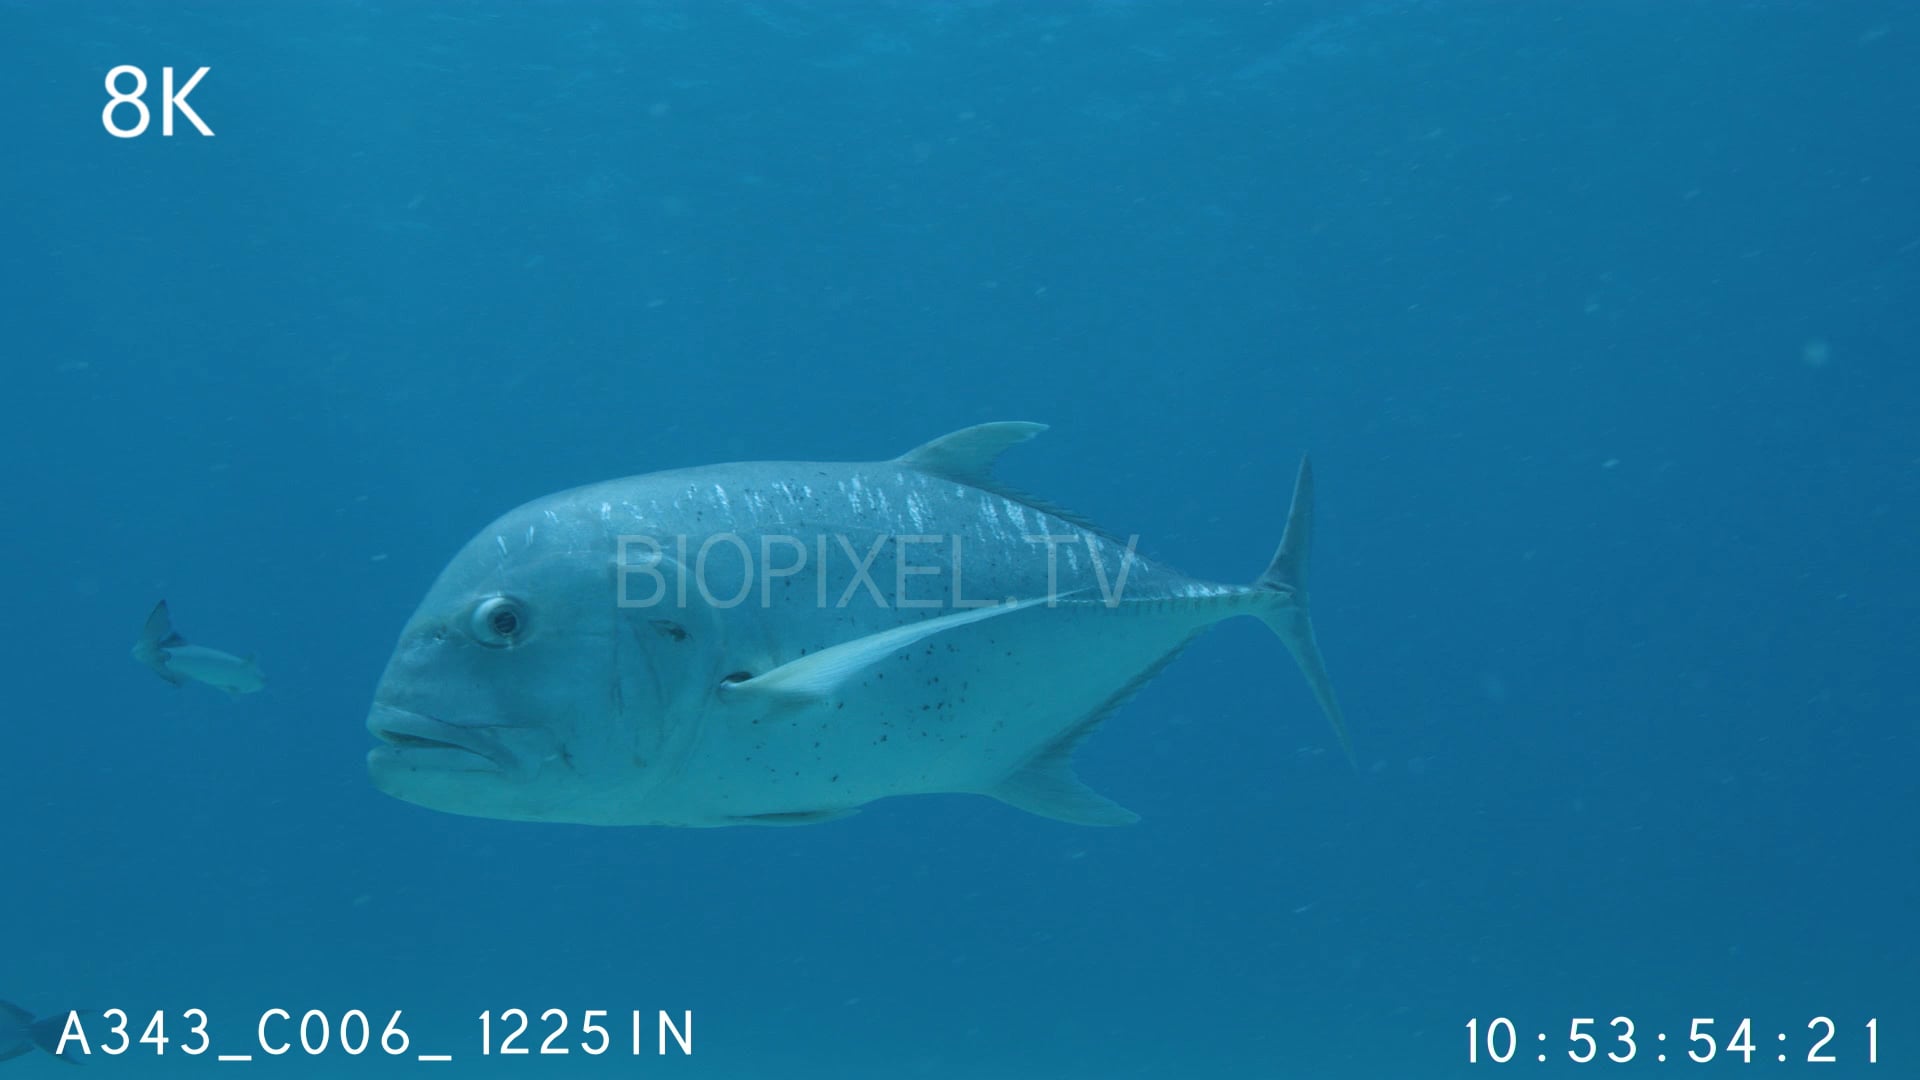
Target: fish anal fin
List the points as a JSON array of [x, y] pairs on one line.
[[1046, 785], [155, 661], [795, 817]]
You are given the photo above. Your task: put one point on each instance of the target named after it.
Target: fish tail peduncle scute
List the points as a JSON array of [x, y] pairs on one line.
[[1288, 614]]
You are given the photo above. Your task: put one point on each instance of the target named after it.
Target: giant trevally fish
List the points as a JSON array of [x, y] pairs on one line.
[[161, 648], [780, 643]]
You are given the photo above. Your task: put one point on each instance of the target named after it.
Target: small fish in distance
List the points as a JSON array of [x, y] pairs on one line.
[[173, 659], [20, 1033]]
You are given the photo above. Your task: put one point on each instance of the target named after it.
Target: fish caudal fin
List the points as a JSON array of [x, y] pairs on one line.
[[44, 1033], [1286, 577], [158, 632], [156, 637], [47, 1033]]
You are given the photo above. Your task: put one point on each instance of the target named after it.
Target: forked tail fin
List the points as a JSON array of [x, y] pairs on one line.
[[158, 631], [1290, 617]]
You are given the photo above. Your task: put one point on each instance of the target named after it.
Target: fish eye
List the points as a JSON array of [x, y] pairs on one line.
[[499, 621]]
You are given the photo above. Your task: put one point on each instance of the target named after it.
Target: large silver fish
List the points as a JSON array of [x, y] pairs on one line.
[[779, 643]]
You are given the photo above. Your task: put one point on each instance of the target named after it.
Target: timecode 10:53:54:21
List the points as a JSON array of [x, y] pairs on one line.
[[1499, 1041]]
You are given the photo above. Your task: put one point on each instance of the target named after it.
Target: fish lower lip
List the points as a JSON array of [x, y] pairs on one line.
[[414, 735], [404, 740]]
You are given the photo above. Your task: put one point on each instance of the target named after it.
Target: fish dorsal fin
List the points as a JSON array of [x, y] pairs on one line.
[[967, 457], [818, 676]]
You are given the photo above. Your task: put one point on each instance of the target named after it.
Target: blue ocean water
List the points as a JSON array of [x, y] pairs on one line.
[[1599, 321]]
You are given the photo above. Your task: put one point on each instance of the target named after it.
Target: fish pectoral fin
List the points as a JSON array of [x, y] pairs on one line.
[[818, 676], [1047, 787], [795, 817]]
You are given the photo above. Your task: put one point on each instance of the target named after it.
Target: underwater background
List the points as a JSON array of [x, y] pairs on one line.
[[1599, 320]]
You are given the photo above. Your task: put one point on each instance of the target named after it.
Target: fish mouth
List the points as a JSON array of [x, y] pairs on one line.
[[418, 741]]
